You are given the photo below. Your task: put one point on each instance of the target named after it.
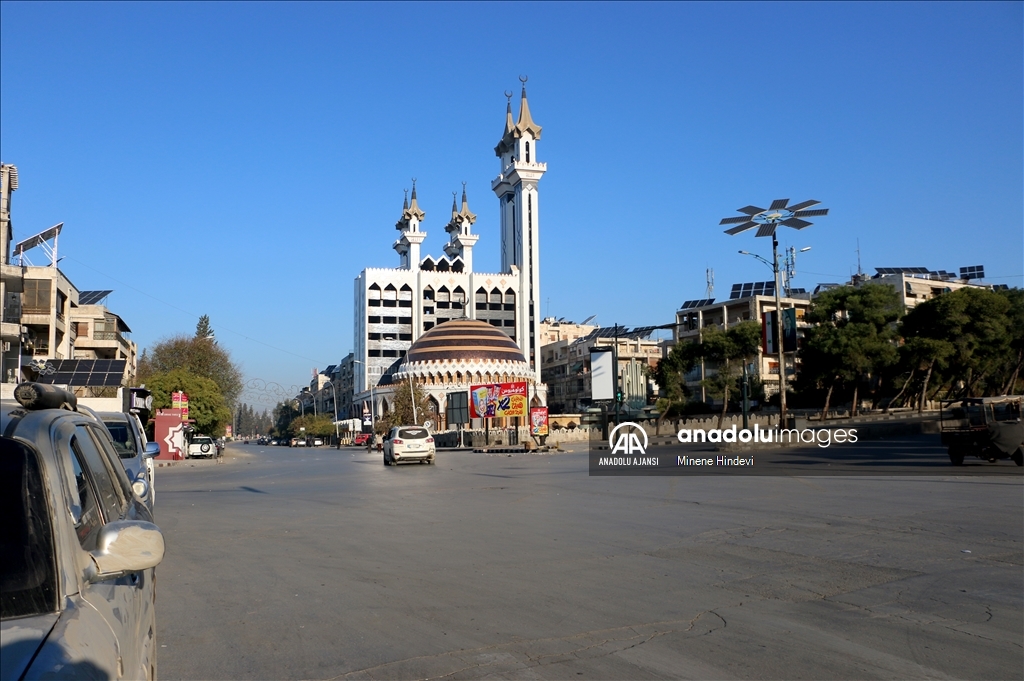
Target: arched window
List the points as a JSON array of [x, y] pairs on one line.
[[527, 152]]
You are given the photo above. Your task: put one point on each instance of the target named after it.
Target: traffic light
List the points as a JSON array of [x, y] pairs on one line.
[[618, 396]]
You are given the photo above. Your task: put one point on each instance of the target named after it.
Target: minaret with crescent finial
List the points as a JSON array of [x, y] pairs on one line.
[[408, 244], [517, 190]]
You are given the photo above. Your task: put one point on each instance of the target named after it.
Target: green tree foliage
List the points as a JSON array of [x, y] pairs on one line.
[[284, 414], [965, 343], [203, 329], [205, 401], [315, 426], [401, 413], [852, 341], [670, 375], [726, 349], [199, 355], [249, 422]]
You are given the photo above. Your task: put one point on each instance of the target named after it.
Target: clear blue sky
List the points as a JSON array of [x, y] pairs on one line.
[[246, 161]]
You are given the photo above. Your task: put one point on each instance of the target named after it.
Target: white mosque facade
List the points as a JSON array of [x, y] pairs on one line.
[[395, 307]]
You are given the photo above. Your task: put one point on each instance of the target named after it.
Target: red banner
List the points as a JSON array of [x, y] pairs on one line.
[[497, 400]]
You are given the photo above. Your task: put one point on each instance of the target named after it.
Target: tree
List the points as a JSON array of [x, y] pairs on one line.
[[726, 348], [670, 375], [401, 412], [284, 414], [201, 356], [968, 342], [205, 401], [203, 329], [723, 348], [851, 341], [315, 426]]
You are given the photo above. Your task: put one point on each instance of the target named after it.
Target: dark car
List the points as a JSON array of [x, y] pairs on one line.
[[79, 548]]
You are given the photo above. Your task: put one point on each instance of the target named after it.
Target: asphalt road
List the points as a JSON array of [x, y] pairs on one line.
[[325, 564]]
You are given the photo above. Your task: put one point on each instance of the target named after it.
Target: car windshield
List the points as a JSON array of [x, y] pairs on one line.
[[202, 441], [413, 433], [124, 439], [28, 574]]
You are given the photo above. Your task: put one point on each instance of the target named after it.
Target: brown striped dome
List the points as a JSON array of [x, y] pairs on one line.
[[465, 340]]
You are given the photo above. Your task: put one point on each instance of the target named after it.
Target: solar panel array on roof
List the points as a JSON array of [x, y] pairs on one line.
[[752, 288], [902, 270], [797, 291], [690, 304], [973, 272], [625, 333], [92, 297], [96, 373]]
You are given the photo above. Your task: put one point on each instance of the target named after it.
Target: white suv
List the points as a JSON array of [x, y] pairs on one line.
[[408, 443], [202, 446]]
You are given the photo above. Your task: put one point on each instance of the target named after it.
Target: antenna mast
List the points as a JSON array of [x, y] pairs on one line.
[[710, 276]]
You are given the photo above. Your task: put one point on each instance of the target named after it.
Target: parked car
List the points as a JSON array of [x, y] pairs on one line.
[[202, 446], [361, 439], [408, 443], [135, 451], [79, 547], [317, 442]]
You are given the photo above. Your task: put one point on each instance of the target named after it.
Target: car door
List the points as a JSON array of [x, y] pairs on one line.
[[102, 500]]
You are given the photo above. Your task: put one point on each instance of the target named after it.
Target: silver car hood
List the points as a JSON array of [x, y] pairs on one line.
[[20, 638]]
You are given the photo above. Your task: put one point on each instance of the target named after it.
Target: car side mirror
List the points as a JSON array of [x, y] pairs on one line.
[[123, 547], [152, 449]]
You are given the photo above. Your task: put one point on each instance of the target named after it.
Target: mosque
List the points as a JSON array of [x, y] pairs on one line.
[[438, 322]]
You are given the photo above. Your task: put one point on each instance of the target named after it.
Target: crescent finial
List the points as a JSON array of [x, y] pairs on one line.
[[523, 79]]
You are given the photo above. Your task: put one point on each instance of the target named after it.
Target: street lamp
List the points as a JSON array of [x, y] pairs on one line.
[[767, 221], [337, 435]]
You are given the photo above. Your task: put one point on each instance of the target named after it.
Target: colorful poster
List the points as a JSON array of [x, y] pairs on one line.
[[179, 400], [538, 421], [497, 400]]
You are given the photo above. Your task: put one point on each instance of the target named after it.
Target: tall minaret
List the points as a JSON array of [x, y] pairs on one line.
[[462, 240], [408, 245], [516, 188]]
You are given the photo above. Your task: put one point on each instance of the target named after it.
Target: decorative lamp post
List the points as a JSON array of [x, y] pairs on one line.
[[337, 435], [767, 221]]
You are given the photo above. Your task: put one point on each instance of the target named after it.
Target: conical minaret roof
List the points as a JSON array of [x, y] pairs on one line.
[[510, 128], [525, 122]]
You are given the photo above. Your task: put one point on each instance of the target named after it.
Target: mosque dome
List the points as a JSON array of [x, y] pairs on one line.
[[465, 351]]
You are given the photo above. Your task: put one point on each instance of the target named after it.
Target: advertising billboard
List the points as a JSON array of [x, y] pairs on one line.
[[496, 400], [602, 374], [769, 343], [538, 421]]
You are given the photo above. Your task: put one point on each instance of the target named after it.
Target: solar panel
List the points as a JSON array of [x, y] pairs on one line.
[[752, 288], [972, 272], [92, 297], [86, 372], [797, 291]]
